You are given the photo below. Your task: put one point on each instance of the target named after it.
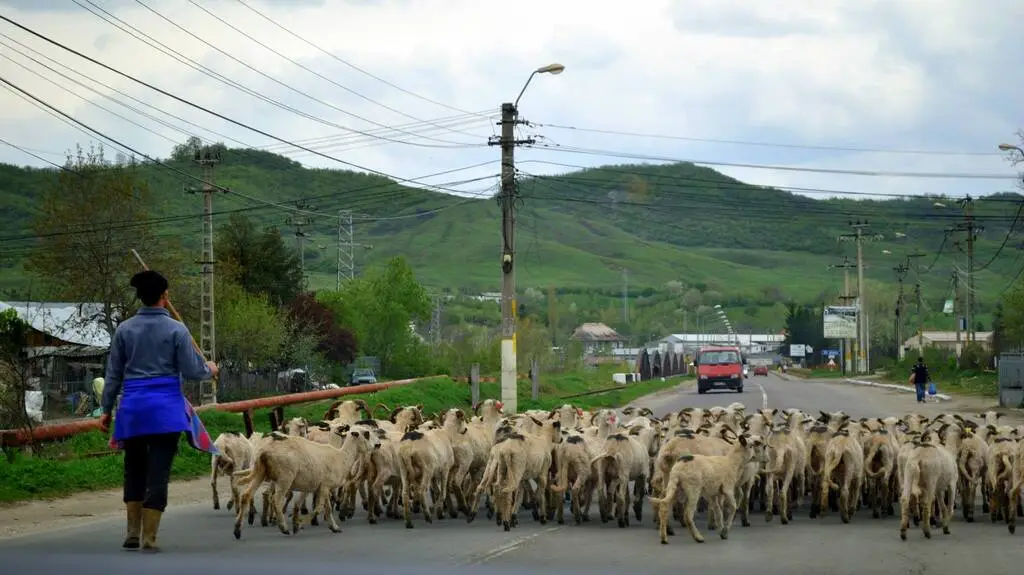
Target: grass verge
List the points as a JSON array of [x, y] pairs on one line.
[[967, 382], [82, 462]]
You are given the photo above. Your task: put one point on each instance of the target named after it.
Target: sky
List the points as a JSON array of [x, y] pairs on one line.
[[410, 88]]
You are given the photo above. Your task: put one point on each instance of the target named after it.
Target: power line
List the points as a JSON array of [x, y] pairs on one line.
[[293, 88], [319, 75], [347, 63], [764, 144], [873, 173], [197, 106]]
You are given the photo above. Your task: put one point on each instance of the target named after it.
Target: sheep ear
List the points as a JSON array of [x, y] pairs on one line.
[[535, 420], [460, 414]]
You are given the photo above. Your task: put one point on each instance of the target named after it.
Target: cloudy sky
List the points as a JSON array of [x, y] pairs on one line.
[[412, 87]]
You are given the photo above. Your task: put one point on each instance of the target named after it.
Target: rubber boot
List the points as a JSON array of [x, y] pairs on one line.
[[134, 512], [150, 526]]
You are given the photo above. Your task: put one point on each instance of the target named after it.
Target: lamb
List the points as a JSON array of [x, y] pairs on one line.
[[294, 463], [971, 461], [236, 454], [427, 457], [930, 475], [1001, 454], [843, 471], [623, 458], [713, 477], [517, 458], [574, 466], [879, 469], [787, 460], [1016, 486]]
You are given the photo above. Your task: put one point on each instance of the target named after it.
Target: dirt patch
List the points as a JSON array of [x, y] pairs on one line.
[[27, 518]]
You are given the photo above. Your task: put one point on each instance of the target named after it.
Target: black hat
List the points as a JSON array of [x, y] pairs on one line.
[[149, 286]]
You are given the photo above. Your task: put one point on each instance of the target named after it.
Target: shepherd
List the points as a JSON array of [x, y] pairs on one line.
[[151, 354]]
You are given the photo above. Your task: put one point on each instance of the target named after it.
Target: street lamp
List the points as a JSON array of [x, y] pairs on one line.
[[1010, 148], [508, 143]]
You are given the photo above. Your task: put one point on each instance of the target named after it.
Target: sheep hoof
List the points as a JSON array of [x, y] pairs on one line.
[[561, 521], [698, 539], [373, 520], [490, 514], [334, 529], [409, 525], [505, 526], [1012, 529], [903, 534], [670, 531], [622, 523], [231, 505], [724, 534], [238, 532], [664, 541], [536, 516], [927, 534], [471, 516], [315, 522], [969, 519], [845, 519], [945, 531], [453, 514], [216, 505]]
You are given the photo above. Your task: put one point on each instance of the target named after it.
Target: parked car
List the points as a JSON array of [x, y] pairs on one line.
[[362, 376], [761, 370]]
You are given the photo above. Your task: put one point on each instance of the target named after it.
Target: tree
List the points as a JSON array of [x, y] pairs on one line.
[[91, 217], [1012, 336], [249, 329], [15, 371], [334, 342], [380, 308], [998, 335], [804, 326], [258, 261], [692, 298]]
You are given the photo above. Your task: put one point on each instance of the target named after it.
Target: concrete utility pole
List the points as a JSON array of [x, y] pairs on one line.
[[971, 229], [300, 236], [207, 160], [847, 297], [956, 312], [507, 198], [864, 330], [917, 295], [346, 249], [901, 272]]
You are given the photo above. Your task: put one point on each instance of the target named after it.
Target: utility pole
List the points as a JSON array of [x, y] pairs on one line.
[[346, 249], [847, 344], [207, 160], [507, 199], [971, 229], [435, 323], [917, 295], [625, 296], [901, 272], [552, 315], [864, 330], [956, 311], [300, 236]]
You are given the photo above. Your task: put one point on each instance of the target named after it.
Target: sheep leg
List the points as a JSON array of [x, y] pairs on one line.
[[324, 507], [243, 504], [278, 502], [769, 495], [927, 505], [214, 469], [663, 508], [638, 494], [948, 507], [967, 495], [728, 502], [1011, 520], [785, 513], [542, 497], [315, 514], [620, 501], [691, 497]]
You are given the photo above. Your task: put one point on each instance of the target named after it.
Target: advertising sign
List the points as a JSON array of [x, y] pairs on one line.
[[840, 322]]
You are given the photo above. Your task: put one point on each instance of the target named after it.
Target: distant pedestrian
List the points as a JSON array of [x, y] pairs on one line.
[[919, 377], [150, 354]]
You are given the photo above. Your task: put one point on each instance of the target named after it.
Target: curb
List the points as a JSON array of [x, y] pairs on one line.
[[895, 387]]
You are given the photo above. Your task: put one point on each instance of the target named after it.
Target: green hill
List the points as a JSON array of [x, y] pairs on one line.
[[575, 231]]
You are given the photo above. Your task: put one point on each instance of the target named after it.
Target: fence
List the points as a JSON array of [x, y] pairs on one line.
[[1011, 379]]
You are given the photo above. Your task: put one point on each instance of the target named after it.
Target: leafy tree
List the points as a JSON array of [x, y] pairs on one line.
[[15, 371], [692, 298], [804, 325], [90, 219], [258, 261], [1012, 333], [334, 342], [249, 329], [998, 328], [381, 307]]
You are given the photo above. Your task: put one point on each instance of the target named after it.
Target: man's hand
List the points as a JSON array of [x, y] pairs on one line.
[[213, 368], [105, 423]]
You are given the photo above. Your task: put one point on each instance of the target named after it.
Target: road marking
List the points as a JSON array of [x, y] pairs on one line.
[[764, 396], [509, 547]]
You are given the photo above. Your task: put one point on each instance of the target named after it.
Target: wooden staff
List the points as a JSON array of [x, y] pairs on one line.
[[170, 306]]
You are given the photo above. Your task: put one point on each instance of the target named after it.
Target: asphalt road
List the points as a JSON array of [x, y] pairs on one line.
[[199, 537]]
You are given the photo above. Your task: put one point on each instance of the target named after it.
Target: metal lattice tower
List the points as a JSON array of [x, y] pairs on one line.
[[207, 160], [346, 248]]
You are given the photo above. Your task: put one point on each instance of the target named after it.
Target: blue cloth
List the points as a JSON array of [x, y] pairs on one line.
[[151, 405], [147, 345]]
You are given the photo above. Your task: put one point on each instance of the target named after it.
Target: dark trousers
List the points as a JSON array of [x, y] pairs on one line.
[[147, 468]]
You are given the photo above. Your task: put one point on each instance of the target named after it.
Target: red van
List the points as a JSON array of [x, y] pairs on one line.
[[719, 367]]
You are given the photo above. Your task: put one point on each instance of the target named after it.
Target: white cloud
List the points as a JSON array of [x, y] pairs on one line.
[[908, 74]]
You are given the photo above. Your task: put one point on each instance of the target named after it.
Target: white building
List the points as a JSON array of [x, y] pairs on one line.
[[748, 343]]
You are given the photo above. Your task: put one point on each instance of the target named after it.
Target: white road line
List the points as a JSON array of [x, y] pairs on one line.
[[506, 548], [764, 396]]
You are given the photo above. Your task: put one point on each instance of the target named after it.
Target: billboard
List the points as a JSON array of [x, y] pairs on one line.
[[840, 322]]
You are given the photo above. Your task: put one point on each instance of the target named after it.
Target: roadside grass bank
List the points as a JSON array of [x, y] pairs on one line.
[[966, 382], [85, 463], [815, 373]]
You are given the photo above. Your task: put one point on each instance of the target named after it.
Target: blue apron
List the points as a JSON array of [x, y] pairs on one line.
[[151, 405]]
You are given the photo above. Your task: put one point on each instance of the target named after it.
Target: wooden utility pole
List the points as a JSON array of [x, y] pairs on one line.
[[847, 344], [901, 272]]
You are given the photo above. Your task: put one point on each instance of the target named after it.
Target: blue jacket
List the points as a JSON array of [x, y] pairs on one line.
[[150, 344]]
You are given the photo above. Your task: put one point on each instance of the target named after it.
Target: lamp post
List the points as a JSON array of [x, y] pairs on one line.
[[508, 143]]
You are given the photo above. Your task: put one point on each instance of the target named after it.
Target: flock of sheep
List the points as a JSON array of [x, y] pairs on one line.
[[722, 459]]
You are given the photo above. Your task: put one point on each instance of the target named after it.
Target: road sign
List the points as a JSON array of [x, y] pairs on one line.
[[840, 322], [797, 350], [830, 352]]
